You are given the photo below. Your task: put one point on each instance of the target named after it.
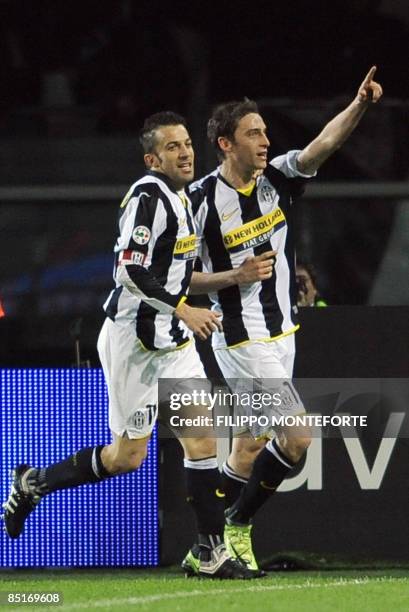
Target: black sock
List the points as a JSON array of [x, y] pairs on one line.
[[270, 468], [84, 466], [205, 496], [232, 485]]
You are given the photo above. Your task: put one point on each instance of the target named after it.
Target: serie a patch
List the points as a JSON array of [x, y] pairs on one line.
[[185, 248], [254, 232], [141, 235]]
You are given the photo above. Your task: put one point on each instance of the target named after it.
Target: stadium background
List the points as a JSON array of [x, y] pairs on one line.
[[77, 81]]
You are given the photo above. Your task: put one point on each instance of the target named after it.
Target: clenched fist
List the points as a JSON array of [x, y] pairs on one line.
[[201, 321], [257, 268]]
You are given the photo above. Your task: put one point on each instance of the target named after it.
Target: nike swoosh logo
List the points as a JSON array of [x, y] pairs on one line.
[[265, 486], [219, 493], [226, 216]]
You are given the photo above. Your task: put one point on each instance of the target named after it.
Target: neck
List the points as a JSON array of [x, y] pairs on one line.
[[168, 180], [237, 177]]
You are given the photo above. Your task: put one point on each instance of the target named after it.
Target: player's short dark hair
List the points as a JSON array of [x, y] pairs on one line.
[[147, 135], [225, 119]]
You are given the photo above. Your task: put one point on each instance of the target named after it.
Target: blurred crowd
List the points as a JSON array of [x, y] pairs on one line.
[[116, 60]]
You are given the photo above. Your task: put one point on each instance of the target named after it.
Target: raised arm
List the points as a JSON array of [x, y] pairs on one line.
[[254, 269], [336, 132]]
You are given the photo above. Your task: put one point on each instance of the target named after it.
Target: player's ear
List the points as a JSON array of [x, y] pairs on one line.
[[151, 161], [224, 144]]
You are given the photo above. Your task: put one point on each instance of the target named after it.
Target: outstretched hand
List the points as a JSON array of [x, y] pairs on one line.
[[369, 91]]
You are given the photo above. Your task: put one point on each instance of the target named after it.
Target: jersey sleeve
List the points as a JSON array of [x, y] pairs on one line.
[[287, 164], [141, 224]]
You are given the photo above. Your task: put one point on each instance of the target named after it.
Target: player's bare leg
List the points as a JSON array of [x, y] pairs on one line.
[[124, 455], [89, 465]]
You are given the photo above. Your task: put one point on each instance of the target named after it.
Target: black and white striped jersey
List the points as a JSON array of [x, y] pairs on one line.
[[154, 256], [234, 225]]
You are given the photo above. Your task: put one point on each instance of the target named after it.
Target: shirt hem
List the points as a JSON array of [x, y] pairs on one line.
[[251, 340], [164, 349]]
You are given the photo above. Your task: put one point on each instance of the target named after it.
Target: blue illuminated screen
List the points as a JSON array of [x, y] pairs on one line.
[[46, 415]]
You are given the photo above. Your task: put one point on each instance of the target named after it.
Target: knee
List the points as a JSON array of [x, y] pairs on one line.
[[199, 448], [295, 448], [122, 463], [243, 456], [134, 460]]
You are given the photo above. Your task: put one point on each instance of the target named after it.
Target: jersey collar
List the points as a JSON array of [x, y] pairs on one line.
[[164, 178], [221, 177]]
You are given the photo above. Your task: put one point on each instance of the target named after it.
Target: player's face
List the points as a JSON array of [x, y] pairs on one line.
[[173, 154], [250, 145]]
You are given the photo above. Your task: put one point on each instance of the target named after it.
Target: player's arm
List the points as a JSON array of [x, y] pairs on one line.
[[140, 282], [336, 132], [257, 268], [141, 229], [141, 226], [143, 284]]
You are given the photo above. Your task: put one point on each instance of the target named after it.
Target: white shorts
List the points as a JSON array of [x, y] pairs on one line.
[[271, 363], [259, 359], [132, 373]]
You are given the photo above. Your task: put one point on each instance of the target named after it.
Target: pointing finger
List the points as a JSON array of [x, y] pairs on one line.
[[370, 75], [266, 255]]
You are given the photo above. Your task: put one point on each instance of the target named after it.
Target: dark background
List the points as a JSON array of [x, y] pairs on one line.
[[144, 51]]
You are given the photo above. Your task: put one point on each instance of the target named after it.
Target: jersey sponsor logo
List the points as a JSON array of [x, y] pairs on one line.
[[186, 248], [226, 216], [131, 257], [141, 235], [254, 232]]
